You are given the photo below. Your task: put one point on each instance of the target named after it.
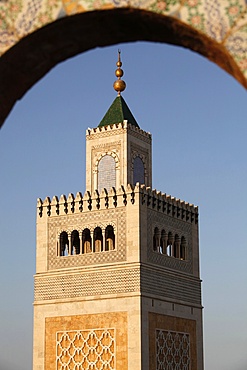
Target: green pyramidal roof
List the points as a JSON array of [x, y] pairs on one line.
[[118, 112]]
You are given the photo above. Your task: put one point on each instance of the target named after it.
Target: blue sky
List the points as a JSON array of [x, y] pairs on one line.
[[196, 113]]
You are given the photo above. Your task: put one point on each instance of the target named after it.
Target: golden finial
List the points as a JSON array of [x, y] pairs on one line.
[[119, 85]]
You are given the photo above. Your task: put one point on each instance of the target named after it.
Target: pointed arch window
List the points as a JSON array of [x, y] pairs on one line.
[[169, 249], [176, 249], [86, 241], [138, 171], [109, 238], [106, 173], [169, 244], [63, 244], [156, 240], [98, 240], [163, 241], [75, 242], [183, 248]]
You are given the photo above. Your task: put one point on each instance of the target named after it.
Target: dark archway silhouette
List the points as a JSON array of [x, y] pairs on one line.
[[32, 57]]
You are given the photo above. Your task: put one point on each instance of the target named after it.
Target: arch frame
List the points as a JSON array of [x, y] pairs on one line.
[[95, 171], [144, 160], [37, 53]]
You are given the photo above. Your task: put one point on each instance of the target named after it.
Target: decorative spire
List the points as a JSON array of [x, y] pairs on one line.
[[119, 85]]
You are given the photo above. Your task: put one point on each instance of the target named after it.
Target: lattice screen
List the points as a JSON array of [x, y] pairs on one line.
[[92, 349], [172, 350]]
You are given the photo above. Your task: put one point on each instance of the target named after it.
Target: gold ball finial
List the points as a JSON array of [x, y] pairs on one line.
[[119, 85]]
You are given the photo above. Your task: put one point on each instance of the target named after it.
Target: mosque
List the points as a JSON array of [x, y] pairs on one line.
[[117, 283]]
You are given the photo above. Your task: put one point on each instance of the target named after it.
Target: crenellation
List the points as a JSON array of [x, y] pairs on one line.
[[47, 204], [122, 194], [39, 207], [172, 206], [54, 206], [71, 203], [63, 204], [78, 202], [113, 127], [113, 198], [125, 125], [131, 193], [151, 198]]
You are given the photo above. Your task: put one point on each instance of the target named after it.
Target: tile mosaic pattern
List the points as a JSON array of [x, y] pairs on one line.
[[224, 21]]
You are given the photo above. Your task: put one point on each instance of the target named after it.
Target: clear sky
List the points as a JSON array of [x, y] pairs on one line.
[[196, 113]]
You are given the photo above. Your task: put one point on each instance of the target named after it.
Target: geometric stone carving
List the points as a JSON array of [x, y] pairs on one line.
[[85, 349], [117, 281], [173, 286], [100, 282], [172, 350]]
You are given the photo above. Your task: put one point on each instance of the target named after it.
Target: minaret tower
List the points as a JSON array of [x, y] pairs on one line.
[[118, 152], [117, 284]]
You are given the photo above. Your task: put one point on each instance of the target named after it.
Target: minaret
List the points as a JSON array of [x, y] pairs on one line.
[[118, 152], [117, 283]]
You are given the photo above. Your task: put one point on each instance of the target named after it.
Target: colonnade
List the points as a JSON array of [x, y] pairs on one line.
[[169, 244], [88, 241]]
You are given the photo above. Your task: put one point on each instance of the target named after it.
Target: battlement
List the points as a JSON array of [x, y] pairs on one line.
[[114, 127], [122, 197], [172, 206]]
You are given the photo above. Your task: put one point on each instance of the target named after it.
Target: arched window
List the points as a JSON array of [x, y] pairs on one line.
[[109, 238], [63, 244], [156, 240], [86, 241], [163, 241], [176, 249], [98, 240], [106, 173], [183, 248], [138, 171], [75, 242], [169, 249]]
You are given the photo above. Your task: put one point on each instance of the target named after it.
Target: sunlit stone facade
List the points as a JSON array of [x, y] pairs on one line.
[[117, 282]]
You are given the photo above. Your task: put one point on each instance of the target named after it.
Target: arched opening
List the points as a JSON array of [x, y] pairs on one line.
[[86, 241], [98, 240], [156, 240], [34, 55], [163, 241], [183, 249], [106, 173], [138, 171], [63, 244], [169, 248], [75, 242], [176, 249], [109, 238]]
